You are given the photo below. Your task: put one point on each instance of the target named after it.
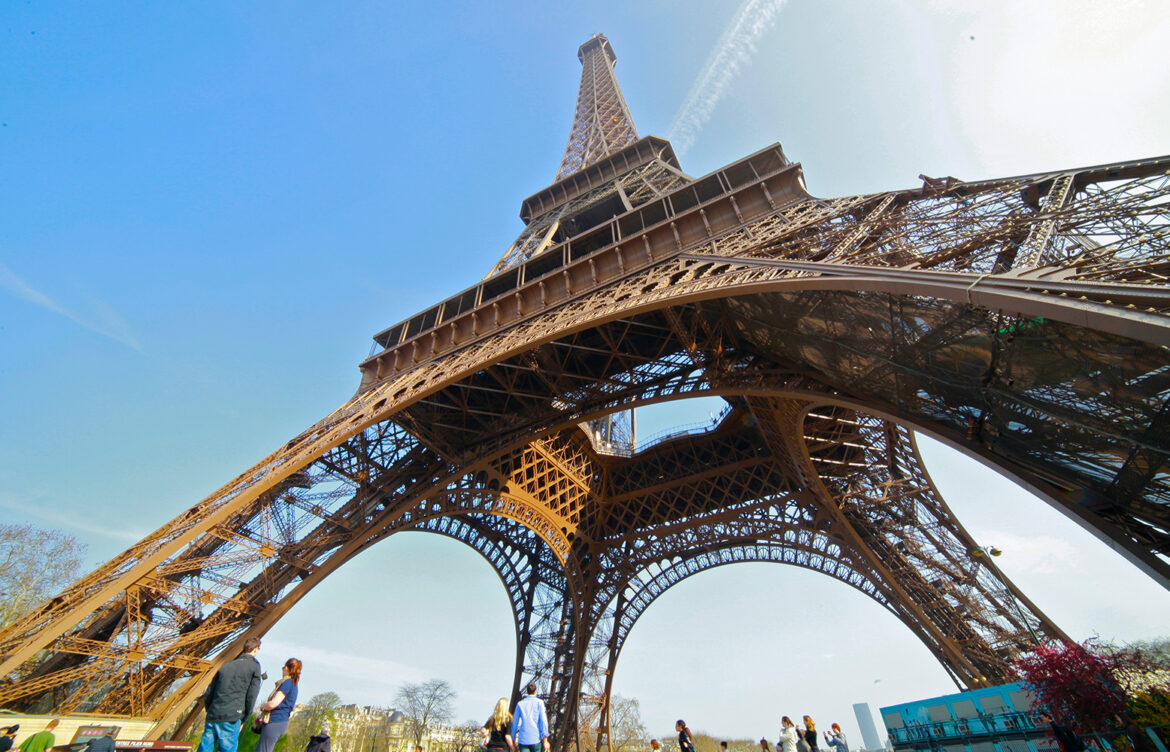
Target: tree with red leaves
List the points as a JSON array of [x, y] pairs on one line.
[[1089, 686]]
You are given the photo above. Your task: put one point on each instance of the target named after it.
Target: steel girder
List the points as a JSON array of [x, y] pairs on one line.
[[648, 181]]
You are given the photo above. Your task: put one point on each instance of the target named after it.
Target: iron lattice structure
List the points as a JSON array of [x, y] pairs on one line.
[[1023, 320]]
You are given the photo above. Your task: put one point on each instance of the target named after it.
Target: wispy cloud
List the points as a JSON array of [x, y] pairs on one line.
[[366, 669], [733, 51], [367, 679], [104, 319], [1038, 554], [68, 520]]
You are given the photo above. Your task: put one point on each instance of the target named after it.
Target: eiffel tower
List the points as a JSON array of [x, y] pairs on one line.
[[1022, 320]]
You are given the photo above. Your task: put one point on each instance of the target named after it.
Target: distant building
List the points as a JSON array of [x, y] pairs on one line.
[[989, 719], [869, 734], [358, 728]]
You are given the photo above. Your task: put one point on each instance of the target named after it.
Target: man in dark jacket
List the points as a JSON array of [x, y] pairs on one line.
[[320, 742], [103, 743], [229, 700], [1065, 736]]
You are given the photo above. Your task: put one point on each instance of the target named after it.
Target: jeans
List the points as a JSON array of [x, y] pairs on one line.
[[223, 735], [538, 747]]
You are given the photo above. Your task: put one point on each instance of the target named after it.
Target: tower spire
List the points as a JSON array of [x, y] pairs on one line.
[[602, 124]]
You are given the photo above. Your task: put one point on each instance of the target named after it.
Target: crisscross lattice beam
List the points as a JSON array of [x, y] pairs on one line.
[[602, 123]]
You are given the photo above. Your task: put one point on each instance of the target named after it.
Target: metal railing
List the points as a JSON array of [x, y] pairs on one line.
[[1012, 726], [621, 449], [988, 724], [699, 426]]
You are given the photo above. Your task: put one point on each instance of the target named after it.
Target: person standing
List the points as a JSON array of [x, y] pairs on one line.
[[530, 723], [686, 742], [764, 746], [1065, 737], [801, 742], [41, 740], [788, 737], [654, 745], [836, 740], [1137, 735], [499, 729], [8, 737], [810, 733], [320, 742], [280, 705], [229, 700], [103, 743]]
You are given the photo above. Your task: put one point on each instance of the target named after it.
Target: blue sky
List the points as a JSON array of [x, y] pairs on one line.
[[206, 210]]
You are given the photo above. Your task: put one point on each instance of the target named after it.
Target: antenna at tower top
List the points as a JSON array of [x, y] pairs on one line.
[[602, 123]]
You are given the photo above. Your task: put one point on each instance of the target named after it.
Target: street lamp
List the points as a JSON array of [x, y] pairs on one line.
[[987, 554]]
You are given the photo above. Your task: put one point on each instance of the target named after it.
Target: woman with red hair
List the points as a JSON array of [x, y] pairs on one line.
[[280, 706]]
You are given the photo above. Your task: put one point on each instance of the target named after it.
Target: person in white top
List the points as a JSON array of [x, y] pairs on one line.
[[787, 741]]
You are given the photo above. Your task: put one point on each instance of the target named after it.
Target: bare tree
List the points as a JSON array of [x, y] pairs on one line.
[[625, 724], [34, 565], [425, 704], [467, 736]]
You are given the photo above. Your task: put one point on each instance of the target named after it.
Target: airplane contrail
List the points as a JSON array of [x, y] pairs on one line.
[[107, 322], [733, 51]]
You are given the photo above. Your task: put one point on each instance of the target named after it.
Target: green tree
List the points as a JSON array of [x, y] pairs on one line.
[[425, 704], [35, 564], [1151, 707], [319, 711], [1149, 692]]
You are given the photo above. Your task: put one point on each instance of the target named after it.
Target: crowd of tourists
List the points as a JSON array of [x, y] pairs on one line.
[[793, 738], [236, 686], [234, 689]]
